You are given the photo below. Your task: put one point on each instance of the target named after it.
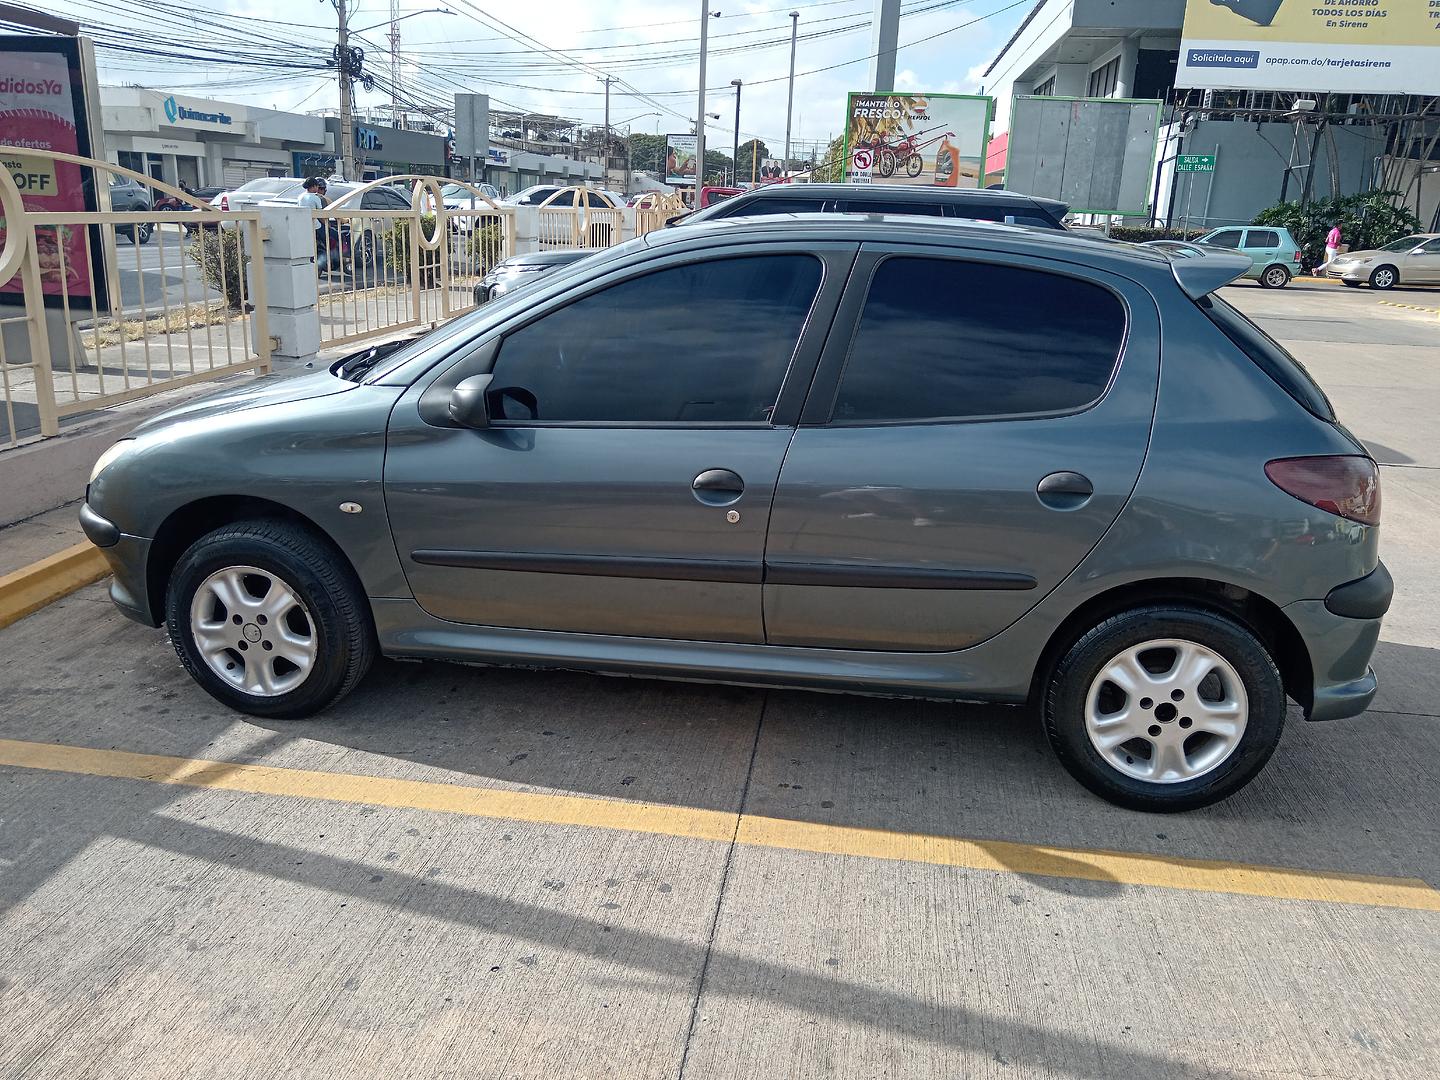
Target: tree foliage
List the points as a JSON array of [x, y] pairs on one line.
[[748, 160], [831, 169], [647, 152], [1366, 221]]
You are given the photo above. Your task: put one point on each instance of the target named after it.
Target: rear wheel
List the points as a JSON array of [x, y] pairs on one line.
[[1385, 277], [1275, 277], [268, 620], [1165, 708]]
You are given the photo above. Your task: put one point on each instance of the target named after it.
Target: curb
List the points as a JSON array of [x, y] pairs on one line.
[[32, 587]]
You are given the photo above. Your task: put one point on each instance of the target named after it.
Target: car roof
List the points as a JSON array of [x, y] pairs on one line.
[[898, 192]]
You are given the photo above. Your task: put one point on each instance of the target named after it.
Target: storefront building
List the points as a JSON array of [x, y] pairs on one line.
[[203, 143]]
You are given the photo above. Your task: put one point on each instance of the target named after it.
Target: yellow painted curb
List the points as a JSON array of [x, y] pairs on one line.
[[31, 587]]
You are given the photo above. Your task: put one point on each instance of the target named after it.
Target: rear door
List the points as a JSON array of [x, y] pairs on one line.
[[1263, 247], [961, 452]]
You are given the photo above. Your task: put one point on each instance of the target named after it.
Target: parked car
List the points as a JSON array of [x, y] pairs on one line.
[[253, 192], [1411, 260], [977, 205], [940, 456], [361, 235], [521, 270], [1273, 253], [535, 196], [131, 196]]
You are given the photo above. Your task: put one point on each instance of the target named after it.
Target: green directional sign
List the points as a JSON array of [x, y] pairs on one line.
[[1195, 163]]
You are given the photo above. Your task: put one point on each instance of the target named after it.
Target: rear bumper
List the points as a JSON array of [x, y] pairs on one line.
[[1340, 649]]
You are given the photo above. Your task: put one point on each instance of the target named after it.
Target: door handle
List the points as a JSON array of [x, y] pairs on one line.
[[1065, 490], [718, 487]]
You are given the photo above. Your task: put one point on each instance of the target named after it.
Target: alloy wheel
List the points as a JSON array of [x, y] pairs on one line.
[[253, 631], [1276, 278], [1166, 711], [1384, 278]]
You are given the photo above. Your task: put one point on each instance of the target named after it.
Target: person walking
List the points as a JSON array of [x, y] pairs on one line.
[[1333, 239]]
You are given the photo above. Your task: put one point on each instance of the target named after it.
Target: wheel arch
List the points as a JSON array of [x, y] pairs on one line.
[[188, 523], [1260, 615]]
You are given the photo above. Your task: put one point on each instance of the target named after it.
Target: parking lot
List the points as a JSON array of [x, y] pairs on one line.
[[461, 872]]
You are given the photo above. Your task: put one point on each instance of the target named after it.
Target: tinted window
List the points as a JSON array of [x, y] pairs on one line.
[[1262, 238], [942, 338], [380, 199], [1228, 239], [1268, 355], [881, 206], [756, 207], [1433, 248], [704, 342]]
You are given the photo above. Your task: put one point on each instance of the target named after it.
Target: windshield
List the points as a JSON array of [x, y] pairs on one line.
[[275, 184], [1406, 244]]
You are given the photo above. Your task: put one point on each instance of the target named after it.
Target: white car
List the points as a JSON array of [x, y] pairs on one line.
[[534, 196]]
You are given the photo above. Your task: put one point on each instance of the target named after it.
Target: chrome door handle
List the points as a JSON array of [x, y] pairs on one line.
[[1065, 490], [718, 487]]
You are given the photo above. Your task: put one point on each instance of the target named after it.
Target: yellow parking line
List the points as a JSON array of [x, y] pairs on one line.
[[1126, 868]]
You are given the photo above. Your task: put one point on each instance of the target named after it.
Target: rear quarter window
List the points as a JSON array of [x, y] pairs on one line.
[[1269, 355]]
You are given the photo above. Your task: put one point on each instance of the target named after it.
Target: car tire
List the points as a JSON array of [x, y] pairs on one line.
[[1241, 695], [294, 597], [143, 232], [1275, 277], [1384, 278]]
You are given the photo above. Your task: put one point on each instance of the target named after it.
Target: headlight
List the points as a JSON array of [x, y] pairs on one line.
[[109, 457]]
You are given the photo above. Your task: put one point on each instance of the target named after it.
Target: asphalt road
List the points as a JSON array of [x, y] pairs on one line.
[[158, 273], [471, 873]]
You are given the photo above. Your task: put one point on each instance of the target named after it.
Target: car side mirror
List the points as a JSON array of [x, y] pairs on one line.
[[468, 406]]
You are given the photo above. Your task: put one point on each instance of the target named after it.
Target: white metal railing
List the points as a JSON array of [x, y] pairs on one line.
[[653, 210], [118, 305], [576, 217], [379, 271]]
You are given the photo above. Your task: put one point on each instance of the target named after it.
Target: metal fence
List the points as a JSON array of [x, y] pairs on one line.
[[102, 307], [575, 217], [383, 270], [653, 210]]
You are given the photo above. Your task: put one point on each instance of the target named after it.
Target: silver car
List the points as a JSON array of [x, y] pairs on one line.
[[888, 455], [1411, 260]]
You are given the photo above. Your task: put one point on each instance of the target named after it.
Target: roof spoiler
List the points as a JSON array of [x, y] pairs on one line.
[[1200, 277]]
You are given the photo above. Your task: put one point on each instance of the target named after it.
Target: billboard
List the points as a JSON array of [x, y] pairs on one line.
[[1319, 46], [680, 159], [42, 107], [1096, 155], [917, 139]]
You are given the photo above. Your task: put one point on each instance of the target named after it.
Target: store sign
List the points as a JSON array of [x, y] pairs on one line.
[[1312, 46], [367, 139], [680, 159], [917, 139], [175, 113], [42, 107]]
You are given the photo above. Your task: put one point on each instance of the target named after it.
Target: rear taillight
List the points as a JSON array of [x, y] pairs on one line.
[[1297, 256], [224, 203], [1347, 485]]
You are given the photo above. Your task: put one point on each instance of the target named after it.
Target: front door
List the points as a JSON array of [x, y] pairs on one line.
[[625, 481], [1422, 267], [962, 453]]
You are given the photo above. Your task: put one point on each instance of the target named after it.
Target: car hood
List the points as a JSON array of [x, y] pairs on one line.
[[1372, 253], [255, 394]]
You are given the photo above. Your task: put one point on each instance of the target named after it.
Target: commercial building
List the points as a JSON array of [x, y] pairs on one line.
[[203, 143], [1263, 148]]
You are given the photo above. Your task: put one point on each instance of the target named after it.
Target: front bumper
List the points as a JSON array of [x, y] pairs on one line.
[[1353, 272], [128, 557]]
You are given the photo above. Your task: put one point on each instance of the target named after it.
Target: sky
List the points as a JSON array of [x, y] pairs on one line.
[[652, 45]]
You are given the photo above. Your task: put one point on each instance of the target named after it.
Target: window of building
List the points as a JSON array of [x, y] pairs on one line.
[[946, 339], [1046, 88], [706, 342], [1104, 80], [129, 159]]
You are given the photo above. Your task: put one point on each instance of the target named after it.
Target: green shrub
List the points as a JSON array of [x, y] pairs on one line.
[[1140, 234], [484, 248], [227, 277], [1366, 221], [395, 244]]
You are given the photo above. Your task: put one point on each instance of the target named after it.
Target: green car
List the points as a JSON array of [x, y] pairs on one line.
[[1274, 254]]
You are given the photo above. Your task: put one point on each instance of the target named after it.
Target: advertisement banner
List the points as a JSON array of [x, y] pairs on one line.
[[917, 139], [1312, 46], [42, 107], [680, 159]]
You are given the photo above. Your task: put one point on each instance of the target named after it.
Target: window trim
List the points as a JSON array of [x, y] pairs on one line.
[[821, 412], [836, 258]]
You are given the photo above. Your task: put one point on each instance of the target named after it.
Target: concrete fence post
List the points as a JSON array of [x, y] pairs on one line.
[[527, 230], [628, 224], [291, 291]]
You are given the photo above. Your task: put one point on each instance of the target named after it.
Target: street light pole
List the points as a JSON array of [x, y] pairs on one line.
[[735, 150], [700, 109], [790, 96]]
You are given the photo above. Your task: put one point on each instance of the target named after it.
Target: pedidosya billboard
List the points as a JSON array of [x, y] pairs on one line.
[[1320, 46], [917, 139]]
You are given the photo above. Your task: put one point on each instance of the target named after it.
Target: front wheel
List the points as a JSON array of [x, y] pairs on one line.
[[887, 163], [1275, 277], [1385, 277], [914, 165], [1165, 708], [269, 620]]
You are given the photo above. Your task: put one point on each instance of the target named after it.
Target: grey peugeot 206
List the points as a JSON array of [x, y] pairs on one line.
[[890, 455]]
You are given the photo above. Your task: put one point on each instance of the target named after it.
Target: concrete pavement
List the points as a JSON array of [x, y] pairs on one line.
[[660, 880]]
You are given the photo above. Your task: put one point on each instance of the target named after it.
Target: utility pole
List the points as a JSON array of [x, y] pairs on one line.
[[884, 41], [754, 155], [790, 96], [605, 156], [347, 63], [735, 149], [395, 64], [700, 109]]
